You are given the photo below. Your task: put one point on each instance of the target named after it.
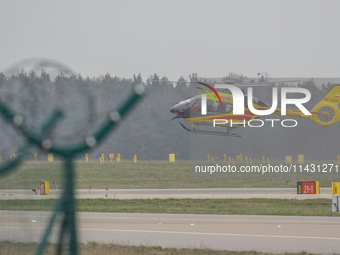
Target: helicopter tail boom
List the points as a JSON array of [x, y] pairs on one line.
[[327, 111]]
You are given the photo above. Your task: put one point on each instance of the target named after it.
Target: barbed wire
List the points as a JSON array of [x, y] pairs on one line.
[[65, 205]]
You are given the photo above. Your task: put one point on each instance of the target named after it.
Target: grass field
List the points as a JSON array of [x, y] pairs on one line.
[[253, 206], [150, 174], [94, 248]]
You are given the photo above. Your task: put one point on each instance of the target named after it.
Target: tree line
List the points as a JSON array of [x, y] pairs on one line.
[[148, 131]]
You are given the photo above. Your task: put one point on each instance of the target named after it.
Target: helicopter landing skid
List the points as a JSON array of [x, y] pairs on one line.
[[197, 131]]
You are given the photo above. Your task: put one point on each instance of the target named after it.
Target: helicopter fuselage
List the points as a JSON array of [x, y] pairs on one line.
[[190, 110]]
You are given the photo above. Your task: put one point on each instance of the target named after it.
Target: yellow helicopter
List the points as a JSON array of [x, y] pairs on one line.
[[204, 110]]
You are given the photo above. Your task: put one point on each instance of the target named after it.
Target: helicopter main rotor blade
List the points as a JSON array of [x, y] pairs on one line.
[[263, 84], [255, 84]]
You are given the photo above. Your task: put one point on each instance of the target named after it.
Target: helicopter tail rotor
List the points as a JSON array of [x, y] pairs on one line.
[[327, 111]]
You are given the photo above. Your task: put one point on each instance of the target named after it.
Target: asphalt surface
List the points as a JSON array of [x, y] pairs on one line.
[[223, 232], [281, 193]]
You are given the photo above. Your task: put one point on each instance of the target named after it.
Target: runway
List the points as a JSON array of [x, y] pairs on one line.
[[223, 232], [280, 193]]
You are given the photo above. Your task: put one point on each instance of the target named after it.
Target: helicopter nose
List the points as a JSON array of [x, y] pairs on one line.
[[182, 108]]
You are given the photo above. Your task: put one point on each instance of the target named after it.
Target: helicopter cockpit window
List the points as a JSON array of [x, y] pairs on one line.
[[259, 102], [183, 105], [195, 104], [211, 106]]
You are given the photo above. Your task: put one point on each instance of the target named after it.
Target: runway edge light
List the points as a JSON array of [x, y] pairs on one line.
[[301, 158], [50, 157], [171, 157], [335, 188], [288, 159]]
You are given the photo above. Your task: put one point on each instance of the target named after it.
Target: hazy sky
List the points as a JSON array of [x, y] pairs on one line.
[[174, 38]]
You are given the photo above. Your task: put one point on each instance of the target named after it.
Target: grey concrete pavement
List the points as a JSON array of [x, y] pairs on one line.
[[224, 232], [282, 193]]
